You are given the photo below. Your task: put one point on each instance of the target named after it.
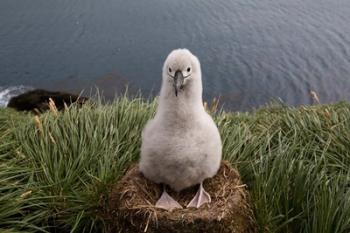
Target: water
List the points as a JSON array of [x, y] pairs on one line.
[[250, 51]]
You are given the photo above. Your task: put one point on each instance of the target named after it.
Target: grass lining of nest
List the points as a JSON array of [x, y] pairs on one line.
[[133, 199], [295, 162]]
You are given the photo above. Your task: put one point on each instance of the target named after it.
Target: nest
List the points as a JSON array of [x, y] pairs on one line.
[[133, 198]]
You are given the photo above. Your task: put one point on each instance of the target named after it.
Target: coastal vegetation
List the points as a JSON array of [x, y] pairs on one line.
[[56, 169]]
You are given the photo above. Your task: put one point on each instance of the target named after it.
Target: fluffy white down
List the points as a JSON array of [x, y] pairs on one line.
[[181, 145]]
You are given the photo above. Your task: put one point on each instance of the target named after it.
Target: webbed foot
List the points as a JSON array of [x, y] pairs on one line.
[[200, 198], [167, 202]]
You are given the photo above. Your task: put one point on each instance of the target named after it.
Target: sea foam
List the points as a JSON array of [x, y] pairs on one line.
[[6, 93]]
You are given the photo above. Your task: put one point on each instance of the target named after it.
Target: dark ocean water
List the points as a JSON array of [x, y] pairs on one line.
[[251, 51]]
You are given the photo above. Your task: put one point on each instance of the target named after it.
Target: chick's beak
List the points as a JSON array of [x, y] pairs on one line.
[[178, 81]]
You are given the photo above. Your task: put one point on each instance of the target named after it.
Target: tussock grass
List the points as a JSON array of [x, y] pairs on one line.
[[56, 170]]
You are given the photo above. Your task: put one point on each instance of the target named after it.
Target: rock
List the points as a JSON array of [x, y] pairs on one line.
[[132, 208], [37, 100]]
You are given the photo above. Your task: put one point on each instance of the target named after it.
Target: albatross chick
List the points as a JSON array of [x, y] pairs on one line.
[[181, 145]]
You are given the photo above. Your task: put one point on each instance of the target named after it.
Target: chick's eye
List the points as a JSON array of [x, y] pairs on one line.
[[170, 70], [188, 69]]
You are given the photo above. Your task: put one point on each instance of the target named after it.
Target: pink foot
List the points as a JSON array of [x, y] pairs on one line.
[[167, 202], [200, 198]]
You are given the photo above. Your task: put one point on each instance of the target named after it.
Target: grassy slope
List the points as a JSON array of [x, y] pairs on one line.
[[55, 173]]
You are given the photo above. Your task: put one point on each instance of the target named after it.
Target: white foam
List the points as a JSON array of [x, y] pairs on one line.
[[6, 93]]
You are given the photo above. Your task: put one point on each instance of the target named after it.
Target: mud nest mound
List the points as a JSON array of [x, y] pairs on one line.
[[133, 198]]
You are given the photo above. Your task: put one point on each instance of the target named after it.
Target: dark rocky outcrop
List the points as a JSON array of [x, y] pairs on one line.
[[37, 100]]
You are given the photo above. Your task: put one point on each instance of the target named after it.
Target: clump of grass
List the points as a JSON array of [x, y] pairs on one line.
[[296, 163], [56, 169], [73, 158]]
